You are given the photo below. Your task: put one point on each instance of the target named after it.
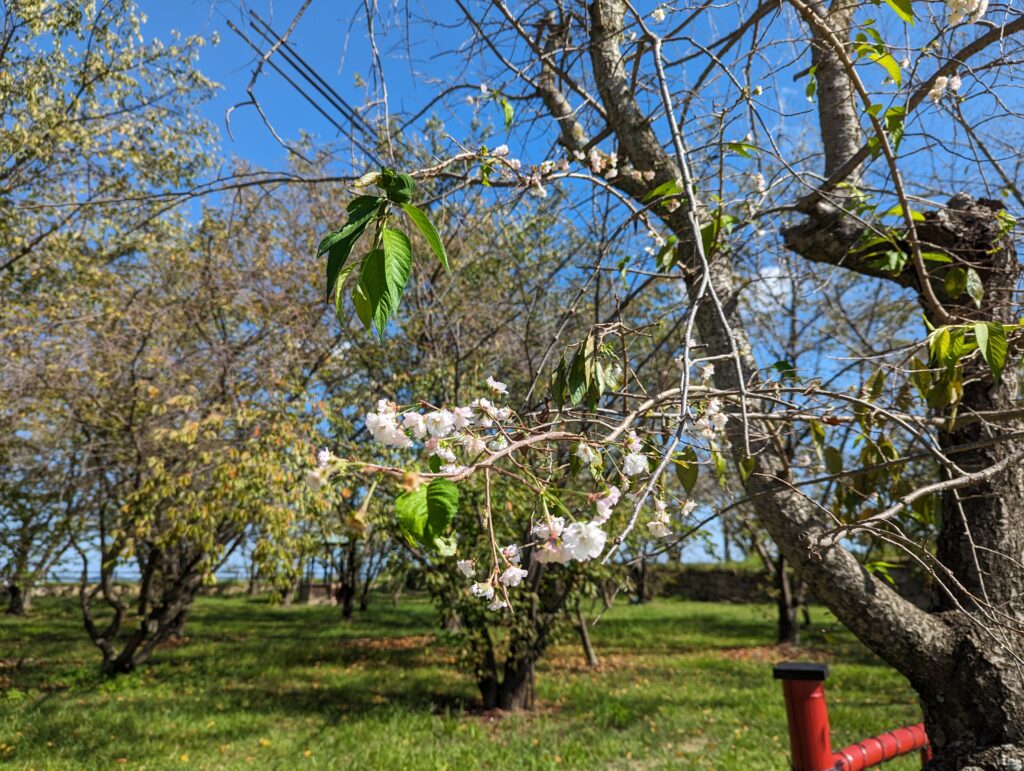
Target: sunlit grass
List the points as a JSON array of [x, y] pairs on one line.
[[682, 685]]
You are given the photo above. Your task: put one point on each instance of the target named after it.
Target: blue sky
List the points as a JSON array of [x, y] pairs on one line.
[[330, 36]]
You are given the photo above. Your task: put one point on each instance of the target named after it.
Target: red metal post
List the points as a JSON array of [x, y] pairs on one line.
[[810, 740]]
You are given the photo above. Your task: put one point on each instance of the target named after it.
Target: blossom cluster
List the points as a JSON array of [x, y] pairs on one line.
[[713, 420], [443, 431], [972, 10], [943, 85]]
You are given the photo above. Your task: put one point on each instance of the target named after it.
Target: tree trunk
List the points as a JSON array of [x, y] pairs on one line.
[[516, 690], [789, 629], [19, 600], [975, 702], [584, 632], [346, 595]]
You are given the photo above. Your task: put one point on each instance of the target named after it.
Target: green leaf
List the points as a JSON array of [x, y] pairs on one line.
[[339, 289], [507, 112], [785, 369], [384, 276], [425, 514], [903, 9], [558, 385], [358, 208], [875, 385], [361, 301], [718, 461], [817, 433], [442, 506], [399, 187], [812, 84], [938, 346], [426, 227], [991, 339], [935, 257], [581, 371], [955, 282], [920, 376], [687, 469], [894, 124], [884, 59], [664, 189], [974, 286], [338, 245], [746, 468], [710, 232], [744, 149], [833, 460]]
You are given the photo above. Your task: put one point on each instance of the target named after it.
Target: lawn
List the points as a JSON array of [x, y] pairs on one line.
[[682, 685]]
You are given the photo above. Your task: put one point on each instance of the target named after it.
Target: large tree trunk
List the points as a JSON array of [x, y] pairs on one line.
[[19, 599], [976, 701]]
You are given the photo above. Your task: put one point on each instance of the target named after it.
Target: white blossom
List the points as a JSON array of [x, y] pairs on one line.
[[452, 468], [485, 590], [445, 454], [606, 503], [586, 453], [385, 430], [708, 370], [466, 567], [658, 14], [500, 151], [658, 529], [497, 386], [513, 576], [550, 528], [511, 553], [688, 508], [634, 464], [972, 10], [473, 444], [498, 604], [553, 552], [584, 541], [938, 88], [324, 458], [462, 417], [538, 190], [440, 423], [633, 443], [315, 480], [414, 422]]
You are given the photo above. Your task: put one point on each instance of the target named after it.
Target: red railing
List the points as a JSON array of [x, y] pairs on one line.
[[810, 738]]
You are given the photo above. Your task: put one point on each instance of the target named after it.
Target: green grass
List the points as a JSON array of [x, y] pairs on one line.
[[683, 685]]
